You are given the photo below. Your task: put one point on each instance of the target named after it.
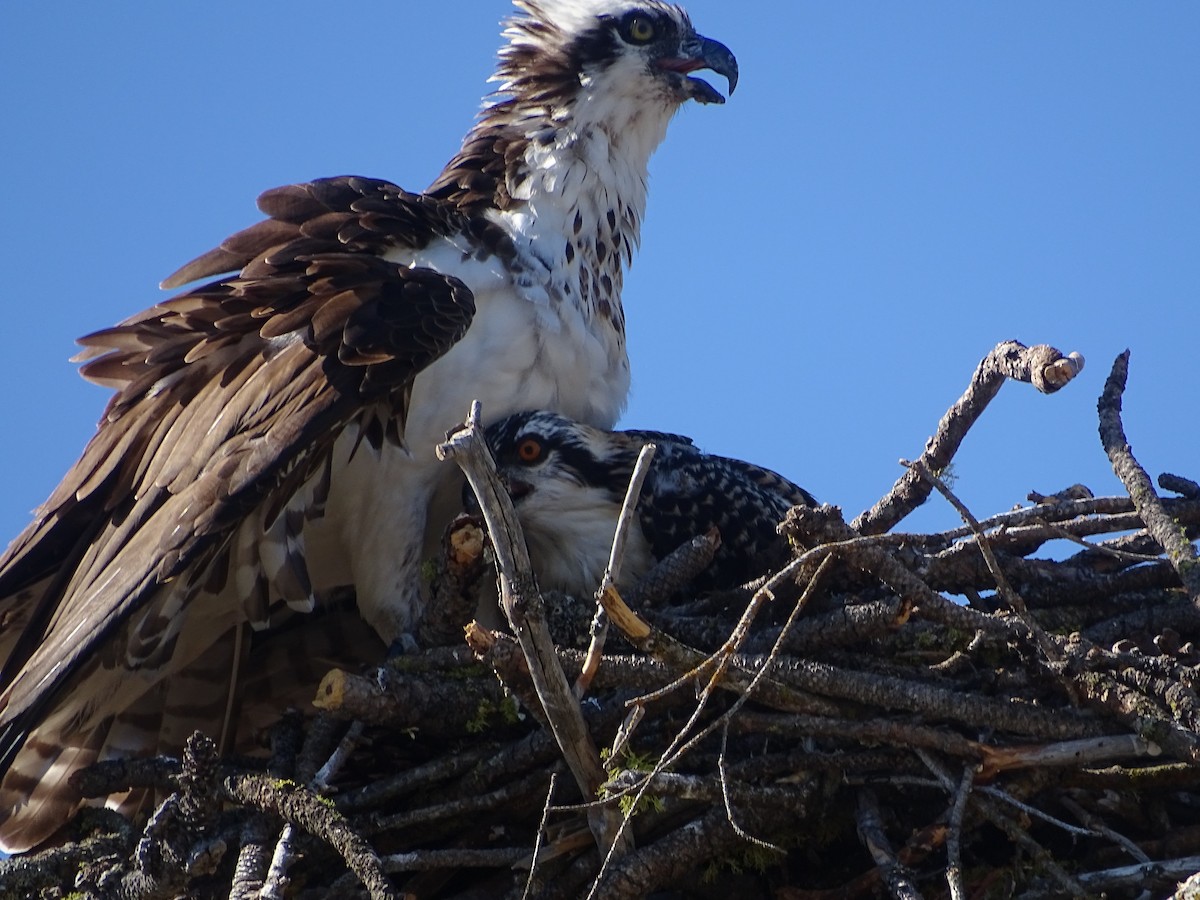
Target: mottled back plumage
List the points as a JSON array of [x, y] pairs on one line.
[[270, 442], [568, 481]]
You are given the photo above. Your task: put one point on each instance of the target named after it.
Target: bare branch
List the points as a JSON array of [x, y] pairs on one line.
[[1180, 551], [894, 874], [612, 571], [1042, 366], [522, 606]]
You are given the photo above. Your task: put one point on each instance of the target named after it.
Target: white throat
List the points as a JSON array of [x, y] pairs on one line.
[[585, 178]]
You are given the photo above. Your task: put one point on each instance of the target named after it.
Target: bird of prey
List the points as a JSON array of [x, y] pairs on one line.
[[568, 481], [271, 438]]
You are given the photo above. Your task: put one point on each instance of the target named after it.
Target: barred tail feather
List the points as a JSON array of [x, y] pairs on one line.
[[36, 797], [201, 697]]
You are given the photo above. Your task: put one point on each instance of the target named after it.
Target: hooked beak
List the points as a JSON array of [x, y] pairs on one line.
[[698, 52], [515, 486]]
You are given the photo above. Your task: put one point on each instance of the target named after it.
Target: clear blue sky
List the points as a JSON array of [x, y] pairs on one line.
[[893, 189]]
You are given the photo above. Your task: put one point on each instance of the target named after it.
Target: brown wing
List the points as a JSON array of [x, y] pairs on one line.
[[229, 397], [347, 212]]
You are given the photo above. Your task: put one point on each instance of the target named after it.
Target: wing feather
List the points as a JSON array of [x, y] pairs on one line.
[[693, 491], [197, 440], [346, 212], [229, 399]]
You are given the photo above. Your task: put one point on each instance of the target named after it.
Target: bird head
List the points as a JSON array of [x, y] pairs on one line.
[[567, 482], [609, 51], [553, 466], [583, 81]]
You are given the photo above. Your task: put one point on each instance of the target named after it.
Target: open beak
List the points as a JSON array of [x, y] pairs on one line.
[[515, 486], [698, 52]]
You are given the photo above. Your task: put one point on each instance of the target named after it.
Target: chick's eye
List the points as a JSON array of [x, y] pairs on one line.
[[529, 450], [639, 29]]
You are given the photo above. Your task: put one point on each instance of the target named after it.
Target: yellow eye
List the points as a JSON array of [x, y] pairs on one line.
[[529, 450], [639, 30]]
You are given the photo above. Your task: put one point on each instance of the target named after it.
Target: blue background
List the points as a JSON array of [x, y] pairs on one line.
[[893, 189]]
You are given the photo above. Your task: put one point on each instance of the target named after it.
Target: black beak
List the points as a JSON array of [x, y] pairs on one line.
[[469, 502], [698, 52], [515, 486]]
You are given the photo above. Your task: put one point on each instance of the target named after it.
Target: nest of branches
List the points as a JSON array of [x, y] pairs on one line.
[[892, 714]]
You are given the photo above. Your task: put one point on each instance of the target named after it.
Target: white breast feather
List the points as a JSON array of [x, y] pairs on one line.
[[569, 531]]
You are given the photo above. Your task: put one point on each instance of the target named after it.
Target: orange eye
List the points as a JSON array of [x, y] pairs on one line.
[[529, 450]]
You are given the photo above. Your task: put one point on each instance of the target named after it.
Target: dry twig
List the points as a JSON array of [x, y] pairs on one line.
[[1055, 761]]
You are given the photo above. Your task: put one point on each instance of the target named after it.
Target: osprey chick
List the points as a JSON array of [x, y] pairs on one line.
[[271, 437], [568, 481]]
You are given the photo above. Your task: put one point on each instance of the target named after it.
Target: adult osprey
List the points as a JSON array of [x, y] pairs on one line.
[[271, 438]]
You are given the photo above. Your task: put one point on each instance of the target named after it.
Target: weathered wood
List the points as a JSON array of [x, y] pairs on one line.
[[896, 695]]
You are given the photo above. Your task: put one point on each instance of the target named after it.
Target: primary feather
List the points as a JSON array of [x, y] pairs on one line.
[[270, 442]]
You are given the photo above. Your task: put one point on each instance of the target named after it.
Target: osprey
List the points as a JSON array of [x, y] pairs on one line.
[[271, 439], [568, 482]]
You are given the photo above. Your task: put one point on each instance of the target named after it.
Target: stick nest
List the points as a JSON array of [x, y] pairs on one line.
[[904, 715]]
